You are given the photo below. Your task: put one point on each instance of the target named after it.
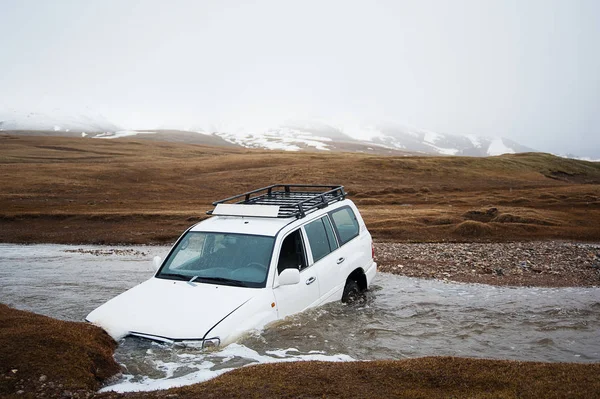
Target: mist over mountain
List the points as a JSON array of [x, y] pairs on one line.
[[288, 136], [57, 120], [446, 144]]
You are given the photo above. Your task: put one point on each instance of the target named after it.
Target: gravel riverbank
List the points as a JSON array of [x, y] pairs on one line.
[[544, 264]]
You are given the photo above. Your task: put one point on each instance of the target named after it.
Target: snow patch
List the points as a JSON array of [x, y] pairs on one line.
[[285, 139], [587, 159], [391, 143], [475, 140], [367, 133], [497, 147], [431, 137], [120, 133], [571, 156], [444, 151]]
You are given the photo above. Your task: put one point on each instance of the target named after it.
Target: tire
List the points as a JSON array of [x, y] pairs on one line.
[[352, 292]]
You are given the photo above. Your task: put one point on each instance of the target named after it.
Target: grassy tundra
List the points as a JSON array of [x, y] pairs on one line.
[[137, 191]]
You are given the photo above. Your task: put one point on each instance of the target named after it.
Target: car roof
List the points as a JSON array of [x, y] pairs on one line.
[[265, 226], [243, 225]]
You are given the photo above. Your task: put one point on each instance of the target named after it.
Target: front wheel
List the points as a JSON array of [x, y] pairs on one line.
[[352, 292]]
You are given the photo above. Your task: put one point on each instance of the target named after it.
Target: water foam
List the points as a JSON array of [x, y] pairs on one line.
[[211, 364]]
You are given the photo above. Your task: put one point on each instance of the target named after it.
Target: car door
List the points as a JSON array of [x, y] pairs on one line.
[[355, 248], [326, 258], [295, 298]]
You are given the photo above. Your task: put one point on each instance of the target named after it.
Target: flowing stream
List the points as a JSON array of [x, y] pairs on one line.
[[402, 318]]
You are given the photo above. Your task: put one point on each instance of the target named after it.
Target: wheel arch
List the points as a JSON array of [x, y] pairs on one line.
[[359, 276]]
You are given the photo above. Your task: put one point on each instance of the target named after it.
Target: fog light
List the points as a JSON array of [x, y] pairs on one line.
[[211, 343]]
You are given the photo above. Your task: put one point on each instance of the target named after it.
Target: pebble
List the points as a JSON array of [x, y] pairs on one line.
[[523, 264], [545, 263], [107, 252]]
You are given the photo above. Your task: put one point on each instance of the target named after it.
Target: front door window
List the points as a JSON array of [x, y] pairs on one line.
[[292, 253]]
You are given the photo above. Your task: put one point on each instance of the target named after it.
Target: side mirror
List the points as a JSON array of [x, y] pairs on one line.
[[289, 277], [157, 260]]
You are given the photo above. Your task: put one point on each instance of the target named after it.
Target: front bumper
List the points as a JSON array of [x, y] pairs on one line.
[[213, 342]]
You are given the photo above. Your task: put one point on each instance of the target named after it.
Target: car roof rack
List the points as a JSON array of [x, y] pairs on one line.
[[279, 200]]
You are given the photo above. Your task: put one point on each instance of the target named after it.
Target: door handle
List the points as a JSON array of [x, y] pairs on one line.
[[340, 260], [311, 280]]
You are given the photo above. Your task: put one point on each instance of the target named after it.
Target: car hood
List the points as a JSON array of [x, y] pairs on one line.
[[169, 310]]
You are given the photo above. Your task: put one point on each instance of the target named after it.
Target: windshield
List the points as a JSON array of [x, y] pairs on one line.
[[220, 258]]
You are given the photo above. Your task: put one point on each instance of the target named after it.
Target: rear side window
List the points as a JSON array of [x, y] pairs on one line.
[[345, 223], [319, 238]]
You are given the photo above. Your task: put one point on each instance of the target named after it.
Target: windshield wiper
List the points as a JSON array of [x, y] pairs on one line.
[[175, 276], [226, 281]]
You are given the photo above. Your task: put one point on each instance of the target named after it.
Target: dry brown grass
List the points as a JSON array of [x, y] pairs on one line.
[[430, 377], [69, 190], [75, 355], [472, 229]]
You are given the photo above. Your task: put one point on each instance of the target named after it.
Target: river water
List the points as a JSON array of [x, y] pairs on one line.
[[402, 318]]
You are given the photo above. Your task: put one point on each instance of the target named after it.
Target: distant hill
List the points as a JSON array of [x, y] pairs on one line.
[[298, 136]]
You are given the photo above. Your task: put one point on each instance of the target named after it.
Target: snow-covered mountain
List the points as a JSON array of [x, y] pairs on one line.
[[386, 138], [290, 136], [416, 140]]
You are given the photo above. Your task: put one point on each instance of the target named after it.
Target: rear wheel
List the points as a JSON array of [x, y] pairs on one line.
[[352, 292]]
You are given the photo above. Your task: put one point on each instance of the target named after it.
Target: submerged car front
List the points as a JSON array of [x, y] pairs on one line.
[[208, 280]]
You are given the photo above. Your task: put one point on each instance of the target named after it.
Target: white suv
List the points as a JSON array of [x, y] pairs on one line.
[[264, 255]]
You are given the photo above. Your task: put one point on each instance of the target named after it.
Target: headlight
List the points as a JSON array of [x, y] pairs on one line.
[[211, 343]]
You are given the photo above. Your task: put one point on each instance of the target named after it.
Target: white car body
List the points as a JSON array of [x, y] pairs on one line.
[[217, 314]]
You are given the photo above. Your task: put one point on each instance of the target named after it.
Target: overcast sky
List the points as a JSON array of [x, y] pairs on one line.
[[525, 69]]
